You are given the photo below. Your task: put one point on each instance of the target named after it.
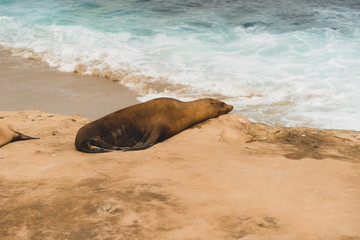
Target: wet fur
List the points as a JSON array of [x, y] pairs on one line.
[[141, 126]]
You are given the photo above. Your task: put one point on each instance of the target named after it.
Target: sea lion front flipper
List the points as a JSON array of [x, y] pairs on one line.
[[151, 136], [149, 139]]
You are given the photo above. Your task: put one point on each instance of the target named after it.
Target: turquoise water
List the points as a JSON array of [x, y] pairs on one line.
[[281, 62]]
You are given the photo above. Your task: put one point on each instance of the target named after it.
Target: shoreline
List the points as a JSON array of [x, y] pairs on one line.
[[29, 84], [29, 81]]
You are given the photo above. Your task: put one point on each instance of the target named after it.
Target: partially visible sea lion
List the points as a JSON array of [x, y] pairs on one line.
[[141, 126], [7, 134]]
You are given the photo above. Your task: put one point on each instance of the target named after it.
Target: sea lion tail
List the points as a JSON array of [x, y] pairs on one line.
[[21, 136]]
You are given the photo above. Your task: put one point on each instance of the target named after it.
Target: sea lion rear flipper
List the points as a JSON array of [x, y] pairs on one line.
[[139, 146], [21, 136], [99, 146]]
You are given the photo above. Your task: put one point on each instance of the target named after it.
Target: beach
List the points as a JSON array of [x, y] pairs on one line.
[[31, 84], [225, 178]]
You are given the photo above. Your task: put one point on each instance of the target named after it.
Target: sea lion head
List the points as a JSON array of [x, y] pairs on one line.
[[217, 107]]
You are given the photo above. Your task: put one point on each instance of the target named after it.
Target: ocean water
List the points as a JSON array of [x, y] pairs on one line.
[[281, 62]]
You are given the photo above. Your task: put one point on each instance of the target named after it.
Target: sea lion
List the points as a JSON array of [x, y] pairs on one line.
[[7, 134], [141, 126]]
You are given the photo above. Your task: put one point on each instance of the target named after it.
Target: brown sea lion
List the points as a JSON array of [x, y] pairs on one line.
[[7, 134], [141, 126]]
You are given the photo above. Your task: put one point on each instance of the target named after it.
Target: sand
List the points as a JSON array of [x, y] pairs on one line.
[[29, 84], [226, 178]]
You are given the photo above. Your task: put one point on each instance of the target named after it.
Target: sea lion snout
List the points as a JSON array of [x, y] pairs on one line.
[[225, 108], [219, 106], [228, 108]]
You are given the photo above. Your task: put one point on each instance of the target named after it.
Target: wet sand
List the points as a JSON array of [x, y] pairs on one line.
[[29, 84], [226, 178]]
